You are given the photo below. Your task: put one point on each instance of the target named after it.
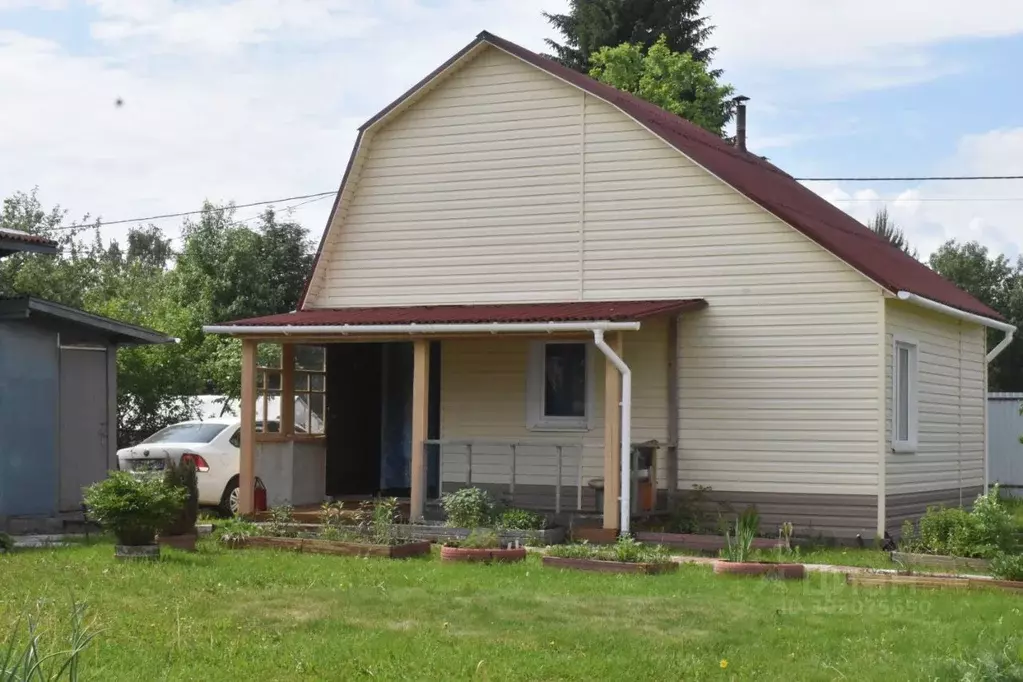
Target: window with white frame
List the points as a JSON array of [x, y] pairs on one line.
[[904, 396], [559, 385]]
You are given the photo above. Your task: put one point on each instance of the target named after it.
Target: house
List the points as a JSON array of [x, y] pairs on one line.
[[58, 401], [526, 273]]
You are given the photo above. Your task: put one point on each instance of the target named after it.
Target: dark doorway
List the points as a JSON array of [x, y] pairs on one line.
[[369, 419]]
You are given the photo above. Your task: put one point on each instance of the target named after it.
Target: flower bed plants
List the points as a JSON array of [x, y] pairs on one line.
[[481, 547], [735, 557], [471, 510], [625, 556], [371, 531]]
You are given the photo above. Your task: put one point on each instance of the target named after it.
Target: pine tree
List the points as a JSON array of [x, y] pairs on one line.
[[593, 24]]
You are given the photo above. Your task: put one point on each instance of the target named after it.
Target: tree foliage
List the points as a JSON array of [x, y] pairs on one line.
[[672, 80], [225, 270], [593, 24], [998, 282], [885, 227]]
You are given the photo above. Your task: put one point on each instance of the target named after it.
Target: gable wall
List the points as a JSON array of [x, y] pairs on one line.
[[505, 184]]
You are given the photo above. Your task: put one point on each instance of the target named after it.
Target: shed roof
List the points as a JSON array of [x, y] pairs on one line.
[[757, 179], [510, 313], [16, 240], [121, 333]]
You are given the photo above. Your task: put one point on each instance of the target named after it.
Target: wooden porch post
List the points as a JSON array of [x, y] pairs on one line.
[[247, 465], [420, 412], [612, 434], [288, 389], [672, 451]]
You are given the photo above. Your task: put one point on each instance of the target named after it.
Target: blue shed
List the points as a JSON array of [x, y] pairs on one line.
[[58, 402]]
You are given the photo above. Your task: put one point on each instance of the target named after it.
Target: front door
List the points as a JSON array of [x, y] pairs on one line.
[[86, 453]]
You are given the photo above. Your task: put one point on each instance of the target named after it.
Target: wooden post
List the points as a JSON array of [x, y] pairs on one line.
[[672, 451], [612, 434], [420, 412], [287, 389], [247, 465]]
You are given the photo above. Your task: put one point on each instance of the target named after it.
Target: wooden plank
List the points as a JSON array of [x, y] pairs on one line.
[[599, 566], [288, 389], [338, 548], [420, 421], [247, 455], [949, 563], [612, 434]]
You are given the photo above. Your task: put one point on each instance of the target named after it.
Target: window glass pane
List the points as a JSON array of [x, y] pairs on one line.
[[316, 413], [310, 358], [301, 381], [564, 380], [902, 394], [273, 380], [260, 379], [318, 381]]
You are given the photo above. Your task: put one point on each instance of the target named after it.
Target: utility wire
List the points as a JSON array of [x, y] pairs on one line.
[[182, 214], [914, 179]]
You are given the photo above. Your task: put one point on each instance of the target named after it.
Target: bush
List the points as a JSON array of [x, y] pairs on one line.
[[985, 532], [183, 476], [1007, 566], [521, 519], [950, 531], [132, 507], [468, 508], [281, 519], [6, 542], [739, 546], [996, 528], [626, 550], [480, 539]]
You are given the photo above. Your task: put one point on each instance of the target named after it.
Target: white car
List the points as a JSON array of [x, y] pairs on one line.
[[211, 445]]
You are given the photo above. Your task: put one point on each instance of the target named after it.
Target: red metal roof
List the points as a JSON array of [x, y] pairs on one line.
[[25, 237], [570, 311], [760, 181]]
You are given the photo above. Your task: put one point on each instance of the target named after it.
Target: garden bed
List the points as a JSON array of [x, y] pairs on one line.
[[604, 566], [700, 543], [953, 564], [482, 555], [336, 547], [761, 568], [933, 581], [436, 532]]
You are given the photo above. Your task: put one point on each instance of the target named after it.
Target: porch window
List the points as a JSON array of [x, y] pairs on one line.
[[559, 386], [308, 390], [904, 396]]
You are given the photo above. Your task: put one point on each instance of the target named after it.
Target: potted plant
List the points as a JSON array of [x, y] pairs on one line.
[[180, 532], [481, 546], [735, 557], [133, 508]]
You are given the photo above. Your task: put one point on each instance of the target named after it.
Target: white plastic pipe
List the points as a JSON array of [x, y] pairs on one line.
[[456, 328], [1009, 330], [625, 484]]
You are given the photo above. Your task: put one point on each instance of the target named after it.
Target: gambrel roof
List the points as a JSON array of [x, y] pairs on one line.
[[757, 179]]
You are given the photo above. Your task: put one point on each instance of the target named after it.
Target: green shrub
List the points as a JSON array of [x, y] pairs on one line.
[[985, 531], [996, 528], [385, 515], [481, 539], [948, 530], [739, 545], [6, 542], [234, 531], [691, 512], [132, 507], [521, 519], [183, 476], [1007, 566], [468, 508], [281, 521], [626, 549]]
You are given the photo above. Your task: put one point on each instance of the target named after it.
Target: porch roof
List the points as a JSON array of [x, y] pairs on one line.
[[482, 314]]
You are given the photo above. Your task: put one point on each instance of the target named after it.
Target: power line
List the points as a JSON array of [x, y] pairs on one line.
[[914, 179], [182, 214]]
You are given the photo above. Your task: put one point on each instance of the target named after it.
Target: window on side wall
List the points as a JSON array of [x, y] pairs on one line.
[[904, 395], [559, 386]]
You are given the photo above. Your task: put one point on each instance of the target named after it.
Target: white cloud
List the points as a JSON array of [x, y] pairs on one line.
[[933, 212]]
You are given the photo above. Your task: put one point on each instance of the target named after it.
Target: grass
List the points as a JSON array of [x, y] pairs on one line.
[[262, 615]]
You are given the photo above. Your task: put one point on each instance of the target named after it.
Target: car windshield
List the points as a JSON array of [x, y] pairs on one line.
[[187, 433]]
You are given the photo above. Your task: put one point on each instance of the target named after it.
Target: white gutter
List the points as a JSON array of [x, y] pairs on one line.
[[1009, 330], [625, 478], [457, 328]]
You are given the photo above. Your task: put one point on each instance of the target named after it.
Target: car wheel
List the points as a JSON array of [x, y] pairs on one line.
[[229, 501]]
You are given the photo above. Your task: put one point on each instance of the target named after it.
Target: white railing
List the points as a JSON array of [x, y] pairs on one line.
[[445, 448]]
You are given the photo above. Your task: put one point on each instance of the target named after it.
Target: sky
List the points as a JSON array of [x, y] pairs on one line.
[[247, 100]]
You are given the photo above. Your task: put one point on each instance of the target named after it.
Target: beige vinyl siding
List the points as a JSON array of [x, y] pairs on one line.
[[483, 398], [470, 196], [950, 450]]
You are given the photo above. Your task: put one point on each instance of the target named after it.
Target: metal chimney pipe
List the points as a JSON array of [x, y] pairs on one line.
[[740, 121]]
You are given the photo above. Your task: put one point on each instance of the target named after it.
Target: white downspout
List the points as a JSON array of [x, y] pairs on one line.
[[625, 484]]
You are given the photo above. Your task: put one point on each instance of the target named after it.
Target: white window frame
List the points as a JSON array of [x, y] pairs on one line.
[[535, 378], [908, 445]]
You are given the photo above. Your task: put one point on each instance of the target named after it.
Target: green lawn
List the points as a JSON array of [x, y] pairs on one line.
[[257, 615]]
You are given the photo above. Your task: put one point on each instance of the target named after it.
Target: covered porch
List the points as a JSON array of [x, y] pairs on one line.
[[534, 403]]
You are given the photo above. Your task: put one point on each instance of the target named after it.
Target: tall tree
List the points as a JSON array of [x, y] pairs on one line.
[[672, 80], [998, 282], [593, 24], [885, 227]]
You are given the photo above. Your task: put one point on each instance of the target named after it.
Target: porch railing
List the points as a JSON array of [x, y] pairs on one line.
[[468, 446]]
